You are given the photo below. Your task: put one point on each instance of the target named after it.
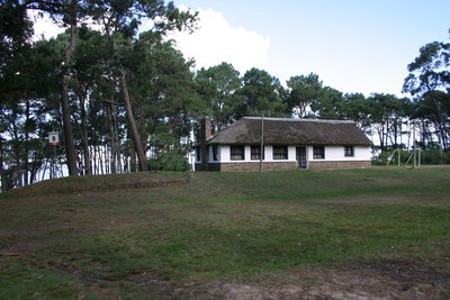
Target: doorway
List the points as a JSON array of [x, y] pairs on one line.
[[301, 158]]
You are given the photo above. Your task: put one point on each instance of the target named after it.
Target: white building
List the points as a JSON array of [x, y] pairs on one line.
[[287, 144]]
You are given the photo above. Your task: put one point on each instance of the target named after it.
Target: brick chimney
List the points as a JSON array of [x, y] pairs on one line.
[[205, 134], [206, 130]]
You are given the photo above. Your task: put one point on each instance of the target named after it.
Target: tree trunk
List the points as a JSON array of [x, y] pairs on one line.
[[2, 175], [112, 131], [95, 159], [26, 144], [133, 167], [34, 168], [66, 116], [85, 137], [380, 130], [107, 158], [132, 123], [395, 133], [443, 130], [101, 162], [17, 175]]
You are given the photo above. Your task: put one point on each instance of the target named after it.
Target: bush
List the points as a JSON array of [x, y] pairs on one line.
[[434, 157], [429, 157], [169, 161], [383, 157]]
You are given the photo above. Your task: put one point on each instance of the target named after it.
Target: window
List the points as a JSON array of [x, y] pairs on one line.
[[237, 153], [198, 153], [215, 152], [349, 151], [280, 152], [256, 153], [319, 152]]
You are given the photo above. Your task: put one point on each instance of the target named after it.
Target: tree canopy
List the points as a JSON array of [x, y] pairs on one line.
[[119, 97]]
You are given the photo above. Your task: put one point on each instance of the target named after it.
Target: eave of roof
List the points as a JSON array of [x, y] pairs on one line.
[[281, 131]]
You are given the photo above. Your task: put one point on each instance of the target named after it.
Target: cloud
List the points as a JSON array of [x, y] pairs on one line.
[[215, 41], [44, 26]]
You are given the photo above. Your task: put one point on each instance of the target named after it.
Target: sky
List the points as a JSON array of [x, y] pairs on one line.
[[353, 45]]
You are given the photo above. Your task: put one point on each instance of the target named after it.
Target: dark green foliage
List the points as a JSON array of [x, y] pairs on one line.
[[429, 82], [329, 105], [261, 94], [218, 87], [391, 157], [164, 98], [169, 161], [93, 67], [435, 157], [386, 114], [304, 91], [428, 157], [429, 71], [15, 29]]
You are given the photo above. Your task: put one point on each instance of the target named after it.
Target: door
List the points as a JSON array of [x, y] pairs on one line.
[[301, 158]]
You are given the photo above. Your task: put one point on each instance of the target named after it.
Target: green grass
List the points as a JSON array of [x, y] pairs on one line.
[[88, 242]]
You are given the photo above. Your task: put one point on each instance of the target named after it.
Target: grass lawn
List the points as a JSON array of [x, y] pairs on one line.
[[98, 237]]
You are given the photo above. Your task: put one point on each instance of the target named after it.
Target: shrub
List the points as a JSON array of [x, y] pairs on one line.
[[383, 157], [169, 161], [435, 157], [429, 157]]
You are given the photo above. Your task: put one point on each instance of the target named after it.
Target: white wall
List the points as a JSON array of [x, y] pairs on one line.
[[336, 153], [332, 153], [224, 155]]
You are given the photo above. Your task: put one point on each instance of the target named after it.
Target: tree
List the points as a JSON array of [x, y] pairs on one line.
[[120, 20], [303, 91], [429, 79], [355, 107], [261, 94], [328, 104], [88, 67], [88, 73], [27, 81], [386, 113], [425, 113], [15, 31], [68, 12], [165, 95], [218, 86]]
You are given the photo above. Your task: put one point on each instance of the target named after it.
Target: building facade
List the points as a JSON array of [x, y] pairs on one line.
[[254, 144]]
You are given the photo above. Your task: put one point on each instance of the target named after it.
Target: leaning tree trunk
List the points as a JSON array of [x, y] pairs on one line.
[[66, 116], [132, 122]]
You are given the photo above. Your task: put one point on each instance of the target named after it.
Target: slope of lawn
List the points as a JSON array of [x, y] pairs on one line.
[[112, 236]]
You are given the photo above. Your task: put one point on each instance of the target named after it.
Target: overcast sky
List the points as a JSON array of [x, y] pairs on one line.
[[353, 45]]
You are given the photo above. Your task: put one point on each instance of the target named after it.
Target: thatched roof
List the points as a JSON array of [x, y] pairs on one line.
[[277, 131]]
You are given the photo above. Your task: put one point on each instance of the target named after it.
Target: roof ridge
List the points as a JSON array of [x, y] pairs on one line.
[[331, 121]]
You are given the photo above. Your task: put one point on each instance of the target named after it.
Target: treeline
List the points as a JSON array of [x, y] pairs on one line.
[[124, 101]]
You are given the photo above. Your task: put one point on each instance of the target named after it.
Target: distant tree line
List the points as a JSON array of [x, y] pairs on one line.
[[124, 101]]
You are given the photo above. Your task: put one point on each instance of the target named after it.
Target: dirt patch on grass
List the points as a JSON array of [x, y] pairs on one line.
[[389, 280]]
